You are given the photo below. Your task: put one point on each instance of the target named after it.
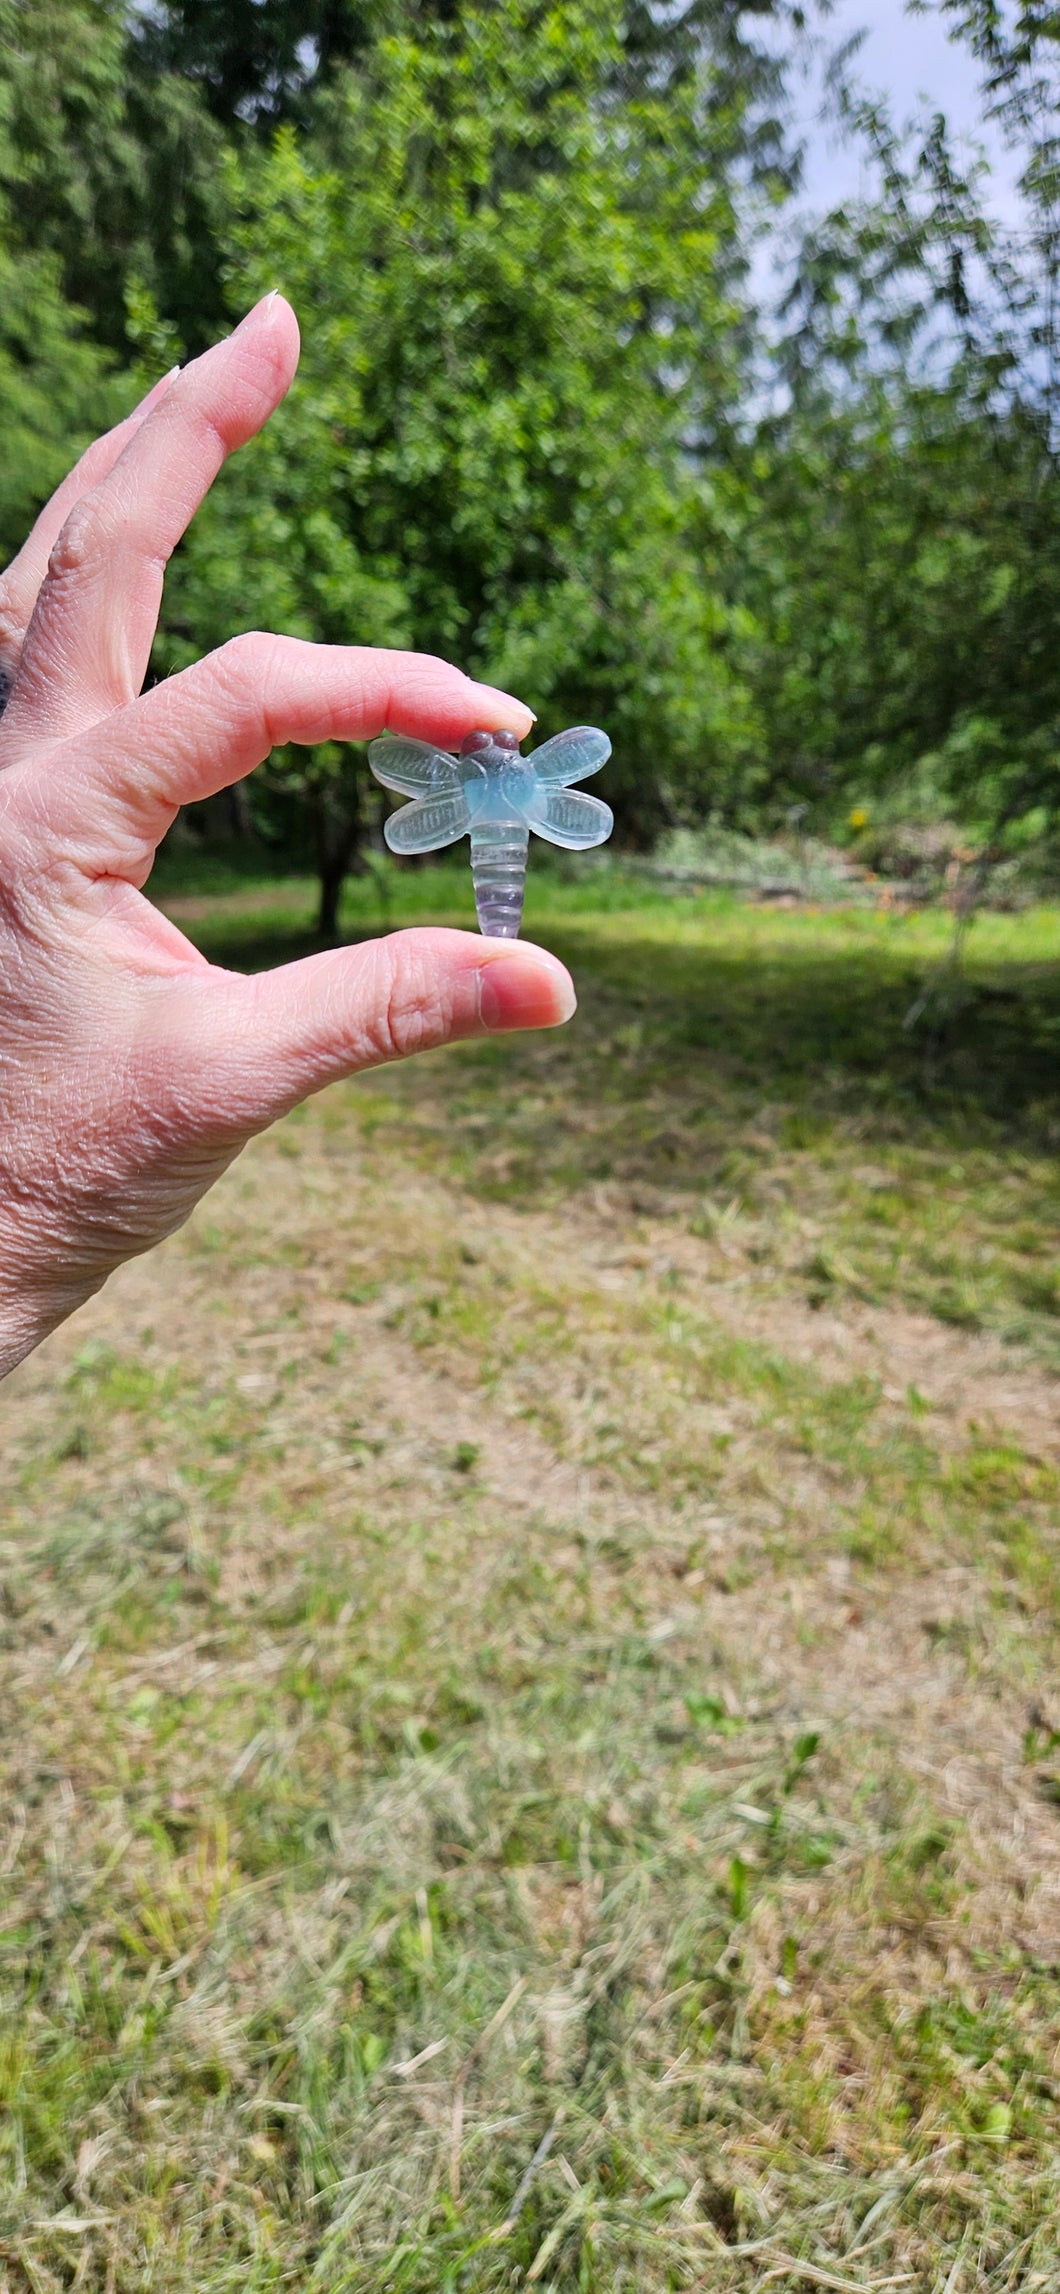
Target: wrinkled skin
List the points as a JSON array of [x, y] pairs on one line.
[[131, 1070]]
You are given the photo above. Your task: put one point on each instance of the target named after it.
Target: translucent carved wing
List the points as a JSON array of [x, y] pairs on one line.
[[564, 817], [428, 824], [571, 756], [413, 768]]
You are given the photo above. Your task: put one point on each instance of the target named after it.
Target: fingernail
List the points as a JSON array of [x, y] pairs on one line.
[[506, 706], [261, 305], [520, 990]]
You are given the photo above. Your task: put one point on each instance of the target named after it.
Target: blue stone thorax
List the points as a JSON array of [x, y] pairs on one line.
[[494, 778]]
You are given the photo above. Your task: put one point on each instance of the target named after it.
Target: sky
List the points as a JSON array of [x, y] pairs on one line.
[[908, 57]]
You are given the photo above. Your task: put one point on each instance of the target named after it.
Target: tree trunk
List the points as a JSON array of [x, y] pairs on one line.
[[338, 828], [239, 814], [332, 876]]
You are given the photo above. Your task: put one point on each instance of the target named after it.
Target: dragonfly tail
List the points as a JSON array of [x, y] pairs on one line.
[[498, 873]]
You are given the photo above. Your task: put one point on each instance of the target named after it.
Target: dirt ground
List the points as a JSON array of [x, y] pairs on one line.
[[894, 1659]]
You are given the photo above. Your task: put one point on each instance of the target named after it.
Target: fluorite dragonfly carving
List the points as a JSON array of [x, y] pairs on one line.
[[496, 796]]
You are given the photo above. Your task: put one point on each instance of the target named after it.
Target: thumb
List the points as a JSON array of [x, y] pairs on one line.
[[266, 1042]]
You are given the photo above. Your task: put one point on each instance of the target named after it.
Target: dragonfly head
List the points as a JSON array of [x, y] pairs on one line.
[[477, 744]]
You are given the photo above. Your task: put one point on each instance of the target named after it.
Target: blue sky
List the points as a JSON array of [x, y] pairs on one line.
[[909, 57]]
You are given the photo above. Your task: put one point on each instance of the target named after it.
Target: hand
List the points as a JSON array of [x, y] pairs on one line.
[[131, 1071]]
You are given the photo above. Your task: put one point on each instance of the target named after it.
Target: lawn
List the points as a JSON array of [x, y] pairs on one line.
[[528, 1642]]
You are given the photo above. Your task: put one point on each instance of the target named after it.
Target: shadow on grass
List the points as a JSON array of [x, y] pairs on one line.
[[825, 1028], [677, 1039], [255, 945]]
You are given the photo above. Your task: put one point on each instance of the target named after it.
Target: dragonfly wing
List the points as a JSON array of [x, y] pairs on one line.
[[571, 756], [563, 816], [428, 823], [413, 768]]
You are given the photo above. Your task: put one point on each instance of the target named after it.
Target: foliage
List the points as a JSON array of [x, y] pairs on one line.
[[903, 575], [255, 60], [518, 240], [267, 62], [113, 174], [514, 323], [901, 566], [56, 386]]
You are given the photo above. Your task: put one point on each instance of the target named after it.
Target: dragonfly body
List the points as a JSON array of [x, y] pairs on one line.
[[498, 784], [496, 796]]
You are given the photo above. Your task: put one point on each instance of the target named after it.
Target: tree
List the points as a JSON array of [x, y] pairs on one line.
[[256, 61], [264, 62], [901, 581], [516, 325], [112, 171], [57, 388], [901, 570], [251, 66]]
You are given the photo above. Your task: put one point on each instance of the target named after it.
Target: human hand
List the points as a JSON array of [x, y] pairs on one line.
[[131, 1070]]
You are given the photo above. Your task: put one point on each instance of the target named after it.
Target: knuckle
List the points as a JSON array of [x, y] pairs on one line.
[[407, 1012], [246, 655], [249, 667], [429, 670], [84, 539], [10, 628]]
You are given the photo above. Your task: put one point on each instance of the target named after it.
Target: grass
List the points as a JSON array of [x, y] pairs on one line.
[[529, 1640], [756, 1065]]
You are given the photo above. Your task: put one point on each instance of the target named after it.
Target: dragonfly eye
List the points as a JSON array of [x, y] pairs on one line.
[[473, 742], [505, 740]]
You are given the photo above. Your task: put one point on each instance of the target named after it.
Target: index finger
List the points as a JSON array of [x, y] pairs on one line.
[[113, 795], [89, 641]]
